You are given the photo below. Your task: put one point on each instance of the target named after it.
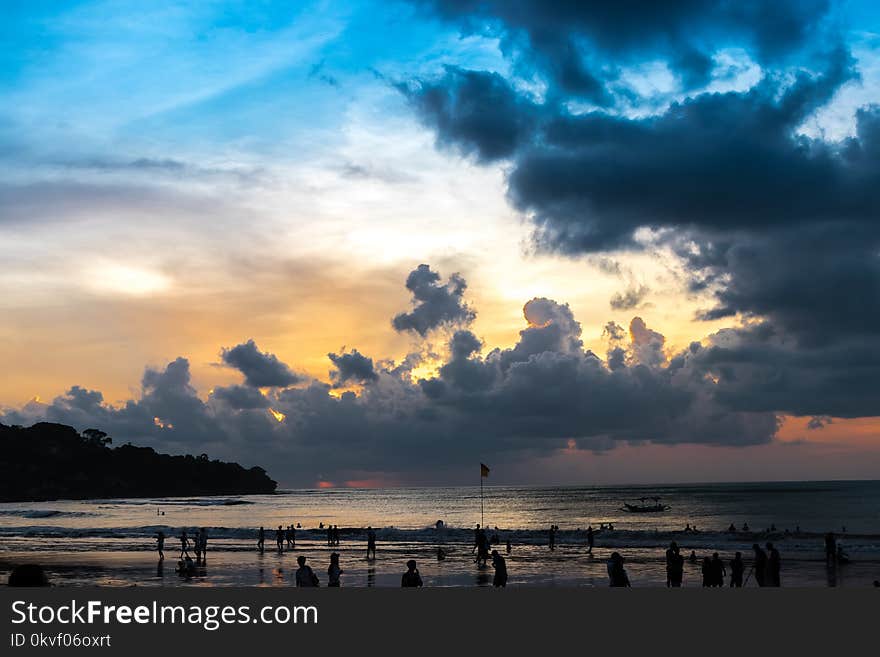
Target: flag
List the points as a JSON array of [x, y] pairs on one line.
[[484, 470]]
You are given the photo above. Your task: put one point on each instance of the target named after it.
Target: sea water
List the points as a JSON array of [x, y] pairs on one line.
[[76, 533]]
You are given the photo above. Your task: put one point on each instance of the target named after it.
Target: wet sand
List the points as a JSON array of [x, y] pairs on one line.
[[528, 565]]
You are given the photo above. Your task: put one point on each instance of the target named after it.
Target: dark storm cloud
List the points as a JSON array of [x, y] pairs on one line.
[[530, 399], [575, 43], [780, 229], [759, 367], [456, 105], [352, 367], [435, 304], [240, 397], [821, 282], [260, 369]]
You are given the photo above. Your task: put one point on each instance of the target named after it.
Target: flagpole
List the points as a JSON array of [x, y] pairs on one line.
[[482, 522]]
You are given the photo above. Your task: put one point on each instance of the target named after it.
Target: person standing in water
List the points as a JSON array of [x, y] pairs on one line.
[[617, 576], [411, 577], [719, 572], [590, 539], [334, 571], [261, 539], [279, 539], [830, 547], [371, 543], [674, 566], [508, 546], [203, 542], [774, 566], [737, 566], [760, 565], [184, 543], [500, 565], [552, 537], [160, 544], [197, 546], [305, 577], [706, 570]]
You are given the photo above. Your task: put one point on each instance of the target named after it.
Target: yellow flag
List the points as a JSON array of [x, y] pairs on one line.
[[484, 470]]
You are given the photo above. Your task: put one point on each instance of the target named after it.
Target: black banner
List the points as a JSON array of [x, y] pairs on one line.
[[388, 621]]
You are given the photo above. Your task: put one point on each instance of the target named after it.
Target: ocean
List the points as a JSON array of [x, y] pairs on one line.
[[112, 542]]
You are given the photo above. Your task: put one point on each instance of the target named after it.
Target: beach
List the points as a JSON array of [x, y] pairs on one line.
[[112, 542]]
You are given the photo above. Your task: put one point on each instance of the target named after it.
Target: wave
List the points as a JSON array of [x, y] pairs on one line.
[[209, 501], [430, 535], [45, 513]]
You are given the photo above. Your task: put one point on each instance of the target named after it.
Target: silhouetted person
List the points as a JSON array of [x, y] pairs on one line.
[[261, 539], [160, 544], [731, 529], [774, 566], [29, 574], [745, 526], [441, 554], [186, 567], [719, 572], [203, 542], [706, 569], [552, 537], [411, 577], [288, 536], [371, 543], [333, 571], [508, 546], [693, 556], [760, 565], [674, 566], [500, 566], [279, 538], [830, 547], [305, 577], [482, 548], [590, 539], [184, 544], [617, 576], [737, 566]]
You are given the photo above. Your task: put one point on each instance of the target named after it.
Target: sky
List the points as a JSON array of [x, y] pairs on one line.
[[376, 243]]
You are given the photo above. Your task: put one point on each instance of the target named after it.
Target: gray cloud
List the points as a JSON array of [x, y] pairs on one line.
[[630, 298], [352, 367], [435, 304], [260, 369]]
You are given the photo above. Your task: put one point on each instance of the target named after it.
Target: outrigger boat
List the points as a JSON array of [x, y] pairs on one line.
[[656, 507]]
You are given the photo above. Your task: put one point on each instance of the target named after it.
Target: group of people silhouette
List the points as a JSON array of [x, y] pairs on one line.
[[766, 564], [185, 563], [767, 567]]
